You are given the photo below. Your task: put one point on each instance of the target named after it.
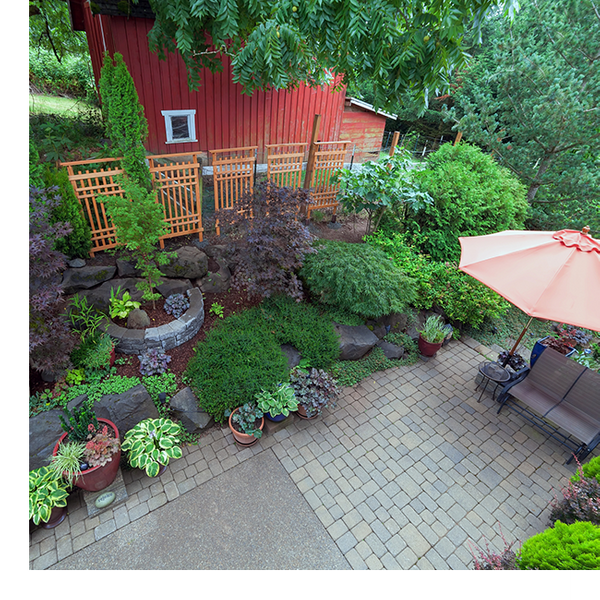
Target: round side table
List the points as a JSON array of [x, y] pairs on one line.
[[492, 371]]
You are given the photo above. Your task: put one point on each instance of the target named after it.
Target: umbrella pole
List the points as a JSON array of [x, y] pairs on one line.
[[514, 348]]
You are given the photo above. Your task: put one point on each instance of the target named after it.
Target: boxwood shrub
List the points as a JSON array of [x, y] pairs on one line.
[[563, 547], [242, 354]]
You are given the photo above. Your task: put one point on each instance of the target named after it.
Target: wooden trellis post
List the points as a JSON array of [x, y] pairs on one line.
[[310, 163], [394, 142]]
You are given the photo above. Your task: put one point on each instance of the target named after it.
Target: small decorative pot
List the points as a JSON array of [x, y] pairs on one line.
[[243, 439], [539, 347], [301, 412], [275, 418], [97, 478], [427, 348]]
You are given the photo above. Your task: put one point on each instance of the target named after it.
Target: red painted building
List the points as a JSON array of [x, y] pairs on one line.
[[216, 116]]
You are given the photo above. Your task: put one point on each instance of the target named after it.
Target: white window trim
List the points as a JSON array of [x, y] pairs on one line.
[[191, 117]]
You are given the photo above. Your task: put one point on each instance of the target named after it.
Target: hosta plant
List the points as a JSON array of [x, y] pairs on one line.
[[314, 389], [154, 362], [176, 305], [46, 490], [152, 443], [121, 307], [279, 401]]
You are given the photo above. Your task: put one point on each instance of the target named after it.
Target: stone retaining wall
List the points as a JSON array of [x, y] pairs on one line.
[[171, 335]]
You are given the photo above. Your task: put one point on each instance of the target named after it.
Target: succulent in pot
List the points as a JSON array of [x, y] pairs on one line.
[[277, 404], [47, 492], [246, 423], [151, 444], [315, 390]]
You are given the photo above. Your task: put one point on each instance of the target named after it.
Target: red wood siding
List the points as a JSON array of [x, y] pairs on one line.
[[364, 128], [225, 118]]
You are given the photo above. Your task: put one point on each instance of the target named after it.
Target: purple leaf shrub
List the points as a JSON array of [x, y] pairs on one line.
[[272, 242], [50, 338]]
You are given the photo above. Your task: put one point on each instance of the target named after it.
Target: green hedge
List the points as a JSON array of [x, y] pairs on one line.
[[242, 354], [563, 547]]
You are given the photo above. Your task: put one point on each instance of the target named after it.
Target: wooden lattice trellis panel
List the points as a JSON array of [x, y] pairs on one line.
[[233, 175], [177, 183], [328, 158], [284, 164]]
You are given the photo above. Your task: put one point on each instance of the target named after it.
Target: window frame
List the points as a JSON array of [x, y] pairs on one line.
[[191, 121]]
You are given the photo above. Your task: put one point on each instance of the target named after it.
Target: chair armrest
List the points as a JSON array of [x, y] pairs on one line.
[[517, 378]]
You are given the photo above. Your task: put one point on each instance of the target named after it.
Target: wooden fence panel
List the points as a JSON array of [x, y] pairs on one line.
[[177, 180], [328, 158], [233, 175], [284, 164]]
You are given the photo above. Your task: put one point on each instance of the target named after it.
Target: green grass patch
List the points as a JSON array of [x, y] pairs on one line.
[[45, 104]]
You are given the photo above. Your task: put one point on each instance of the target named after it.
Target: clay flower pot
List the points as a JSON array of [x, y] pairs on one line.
[[97, 478], [301, 412], [428, 348], [242, 438]]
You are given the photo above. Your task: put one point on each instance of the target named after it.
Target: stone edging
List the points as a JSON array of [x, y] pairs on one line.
[[171, 335]]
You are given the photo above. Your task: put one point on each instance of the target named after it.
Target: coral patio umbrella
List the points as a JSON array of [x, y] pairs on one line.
[[548, 275]]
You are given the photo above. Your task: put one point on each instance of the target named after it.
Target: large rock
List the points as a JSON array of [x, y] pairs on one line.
[[85, 278], [127, 409], [189, 263], [174, 286], [292, 355], [217, 282], [126, 268], [138, 319], [391, 350], [44, 431], [355, 341], [184, 406]]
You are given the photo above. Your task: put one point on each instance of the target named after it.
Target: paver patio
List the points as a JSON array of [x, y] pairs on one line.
[[406, 472]]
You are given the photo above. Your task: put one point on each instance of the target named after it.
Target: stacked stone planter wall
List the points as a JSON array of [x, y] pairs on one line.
[[171, 335]]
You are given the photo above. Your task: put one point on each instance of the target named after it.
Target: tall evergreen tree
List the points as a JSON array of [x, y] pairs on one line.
[[533, 98]]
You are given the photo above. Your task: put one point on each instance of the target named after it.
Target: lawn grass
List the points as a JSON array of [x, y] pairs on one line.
[[46, 104]]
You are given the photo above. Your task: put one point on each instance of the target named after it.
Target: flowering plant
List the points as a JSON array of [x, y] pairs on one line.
[[100, 447]]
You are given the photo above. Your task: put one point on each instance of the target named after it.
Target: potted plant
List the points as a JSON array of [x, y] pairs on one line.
[[277, 404], [246, 423], [431, 337], [151, 444], [98, 441], [565, 341], [315, 390], [47, 497]]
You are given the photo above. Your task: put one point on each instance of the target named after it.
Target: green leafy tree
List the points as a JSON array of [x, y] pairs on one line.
[[124, 115], [380, 186], [139, 223], [532, 97], [472, 194], [406, 47]]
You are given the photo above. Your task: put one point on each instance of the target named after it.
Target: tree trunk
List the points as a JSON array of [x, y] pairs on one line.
[[535, 186]]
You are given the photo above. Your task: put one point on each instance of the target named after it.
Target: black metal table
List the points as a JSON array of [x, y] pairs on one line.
[[492, 371]]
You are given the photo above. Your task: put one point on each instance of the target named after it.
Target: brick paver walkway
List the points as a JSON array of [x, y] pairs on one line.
[[404, 473]]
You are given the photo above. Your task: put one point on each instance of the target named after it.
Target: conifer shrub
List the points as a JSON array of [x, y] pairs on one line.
[[563, 547], [79, 242], [358, 278]]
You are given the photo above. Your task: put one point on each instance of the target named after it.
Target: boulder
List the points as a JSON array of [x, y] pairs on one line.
[[76, 263], [127, 269], [174, 286], [44, 431], [127, 409], [84, 278], [189, 263], [355, 340], [217, 282], [394, 322], [391, 350], [184, 406], [293, 356], [138, 319]]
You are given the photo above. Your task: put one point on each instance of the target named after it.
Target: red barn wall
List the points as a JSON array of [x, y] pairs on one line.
[[365, 129], [225, 118]]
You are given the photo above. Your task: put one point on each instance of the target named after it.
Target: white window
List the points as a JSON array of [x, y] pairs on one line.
[[180, 126]]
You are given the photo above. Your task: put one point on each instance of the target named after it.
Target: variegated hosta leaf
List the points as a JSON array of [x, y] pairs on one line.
[[152, 469], [175, 452], [165, 443]]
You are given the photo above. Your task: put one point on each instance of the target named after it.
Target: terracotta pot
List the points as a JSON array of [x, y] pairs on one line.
[[427, 348], [97, 478], [242, 438], [301, 412], [57, 516]]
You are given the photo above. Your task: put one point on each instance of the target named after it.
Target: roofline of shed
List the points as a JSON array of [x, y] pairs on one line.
[[370, 108]]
